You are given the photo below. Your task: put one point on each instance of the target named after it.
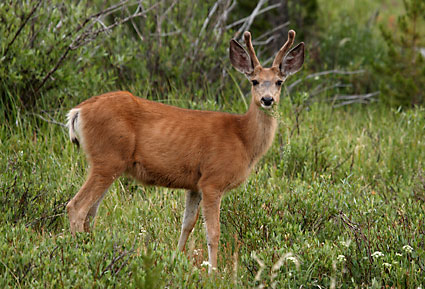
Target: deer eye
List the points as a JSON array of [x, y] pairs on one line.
[[279, 82], [255, 82]]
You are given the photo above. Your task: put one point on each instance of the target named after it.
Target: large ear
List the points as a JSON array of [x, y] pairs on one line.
[[293, 61], [240, 58]]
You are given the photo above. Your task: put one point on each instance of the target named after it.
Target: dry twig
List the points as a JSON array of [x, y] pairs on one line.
[[321, 73], [355, 98], [22, 26], [240, 21], [251, 18], [51, 120]]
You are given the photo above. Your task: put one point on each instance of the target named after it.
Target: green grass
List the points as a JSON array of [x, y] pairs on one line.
[[338, 202]]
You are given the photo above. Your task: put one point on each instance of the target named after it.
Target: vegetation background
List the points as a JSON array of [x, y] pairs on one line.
[[338, 202]]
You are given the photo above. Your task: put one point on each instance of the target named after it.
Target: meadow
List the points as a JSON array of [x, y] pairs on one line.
[[337, 202]]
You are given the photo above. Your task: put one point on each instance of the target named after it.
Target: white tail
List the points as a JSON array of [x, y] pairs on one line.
[[206, 153], [72, 124]]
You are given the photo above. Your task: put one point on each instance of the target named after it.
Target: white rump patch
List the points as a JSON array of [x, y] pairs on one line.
[[74, 125]]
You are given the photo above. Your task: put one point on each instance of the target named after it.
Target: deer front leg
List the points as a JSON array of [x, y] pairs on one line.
[[191, 214], [211, 210]]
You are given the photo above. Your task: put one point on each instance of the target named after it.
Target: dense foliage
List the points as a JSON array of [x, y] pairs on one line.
[[338, 202], [40, 54], [51, 50], [403, 70]]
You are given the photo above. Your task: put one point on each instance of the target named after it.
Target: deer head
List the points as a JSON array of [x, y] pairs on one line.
[[267, 82]]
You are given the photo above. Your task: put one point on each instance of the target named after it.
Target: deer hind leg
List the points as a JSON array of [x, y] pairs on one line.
[[82, 208], [211, 199], [191, 213], [92, 213]]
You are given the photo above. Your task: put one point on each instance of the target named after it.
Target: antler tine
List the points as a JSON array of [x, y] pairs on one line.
[[282, 52], [251, 51]]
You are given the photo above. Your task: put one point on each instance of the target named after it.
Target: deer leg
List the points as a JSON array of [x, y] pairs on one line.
[[191, 213], [211, 210], [92, 213], [84, 204]]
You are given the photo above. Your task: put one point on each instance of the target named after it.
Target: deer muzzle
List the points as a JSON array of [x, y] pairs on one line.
[[267, 102]]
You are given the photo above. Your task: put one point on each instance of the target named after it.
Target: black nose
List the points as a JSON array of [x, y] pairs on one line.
[[267, 101]]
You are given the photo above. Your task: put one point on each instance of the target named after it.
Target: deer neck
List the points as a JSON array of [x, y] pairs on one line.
[[259, 131]]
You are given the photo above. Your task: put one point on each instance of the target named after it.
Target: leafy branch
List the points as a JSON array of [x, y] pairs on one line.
[[89, 34]]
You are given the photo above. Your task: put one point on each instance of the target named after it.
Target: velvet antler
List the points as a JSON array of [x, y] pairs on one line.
[[251, 51], [285, 48]]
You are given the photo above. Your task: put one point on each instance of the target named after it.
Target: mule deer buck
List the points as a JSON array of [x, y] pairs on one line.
[[207, 153]]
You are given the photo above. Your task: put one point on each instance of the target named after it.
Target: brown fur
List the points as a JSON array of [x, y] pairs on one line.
[[204, 152]]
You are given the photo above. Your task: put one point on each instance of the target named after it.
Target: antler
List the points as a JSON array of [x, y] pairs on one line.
[[282, 52], [251, 51]]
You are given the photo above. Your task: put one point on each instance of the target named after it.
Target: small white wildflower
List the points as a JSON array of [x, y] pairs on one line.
[[407, 249], [206, 264], [346, 243], [388, 265], [293, 259], [398, 254], [341, 258], [287, 256], [377, 254]]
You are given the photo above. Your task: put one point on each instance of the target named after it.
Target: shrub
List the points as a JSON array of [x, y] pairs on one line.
[[402, 70], [44, 52], [54, 50]]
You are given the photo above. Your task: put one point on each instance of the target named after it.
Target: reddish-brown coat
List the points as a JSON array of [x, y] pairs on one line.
[[168, 146]]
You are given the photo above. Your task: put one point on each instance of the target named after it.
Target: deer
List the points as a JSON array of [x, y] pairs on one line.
[[206, 153]]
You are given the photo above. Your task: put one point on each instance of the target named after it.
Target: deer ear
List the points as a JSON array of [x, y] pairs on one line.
[[240, 58], [293, 60]]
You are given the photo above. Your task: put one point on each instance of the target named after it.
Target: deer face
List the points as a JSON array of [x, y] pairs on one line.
[[266, 85], [267, 82]]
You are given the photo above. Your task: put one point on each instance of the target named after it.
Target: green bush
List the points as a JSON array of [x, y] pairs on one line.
[[40, 57], [402, 71], [53, 51]]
